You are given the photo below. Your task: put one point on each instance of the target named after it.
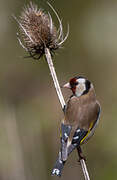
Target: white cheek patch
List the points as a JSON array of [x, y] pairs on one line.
[[80, 89], [81, 81]]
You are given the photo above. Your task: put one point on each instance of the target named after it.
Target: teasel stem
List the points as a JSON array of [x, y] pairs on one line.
[[54, 77], [62, 102], [84, 169]]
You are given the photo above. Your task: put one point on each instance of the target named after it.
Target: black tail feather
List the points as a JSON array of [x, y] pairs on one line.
[[58, 167]]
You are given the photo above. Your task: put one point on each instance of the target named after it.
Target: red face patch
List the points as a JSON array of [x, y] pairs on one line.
[[72, 81], [73, 84]]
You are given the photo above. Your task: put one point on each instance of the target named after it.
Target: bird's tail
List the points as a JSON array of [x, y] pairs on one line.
[[65, 129], [57, 170], [58, 167]]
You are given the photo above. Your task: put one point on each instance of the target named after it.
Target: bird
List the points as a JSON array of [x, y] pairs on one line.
[[81, 117]]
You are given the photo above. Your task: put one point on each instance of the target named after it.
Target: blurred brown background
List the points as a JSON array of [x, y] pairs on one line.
[[29, 109]]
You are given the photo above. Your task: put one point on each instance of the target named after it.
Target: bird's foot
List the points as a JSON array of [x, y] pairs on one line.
[[80, 154]]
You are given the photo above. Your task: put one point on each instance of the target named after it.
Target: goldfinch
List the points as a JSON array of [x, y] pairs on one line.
[[82, 113]]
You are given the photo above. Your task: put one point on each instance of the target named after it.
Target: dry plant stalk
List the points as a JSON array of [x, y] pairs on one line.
[[39, 37]]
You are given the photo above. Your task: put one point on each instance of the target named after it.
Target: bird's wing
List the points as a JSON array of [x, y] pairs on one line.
[[94, 125], [80, 118], [81, 135], [69, 127]]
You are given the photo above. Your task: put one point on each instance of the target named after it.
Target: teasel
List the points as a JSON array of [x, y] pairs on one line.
[[37, 31]]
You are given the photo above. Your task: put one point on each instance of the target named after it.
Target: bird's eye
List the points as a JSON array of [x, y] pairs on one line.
[[73, 83], [76, 83]]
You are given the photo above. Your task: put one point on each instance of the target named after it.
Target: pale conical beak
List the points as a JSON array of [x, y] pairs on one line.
[[67, 85]]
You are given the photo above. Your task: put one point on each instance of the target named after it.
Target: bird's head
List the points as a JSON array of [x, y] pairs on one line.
[[79, 85]]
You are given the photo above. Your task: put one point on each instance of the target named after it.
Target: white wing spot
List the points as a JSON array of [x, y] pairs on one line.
[[65, 134], [76, 137], [78, 130]]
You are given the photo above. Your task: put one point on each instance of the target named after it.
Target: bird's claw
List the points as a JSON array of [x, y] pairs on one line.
[[81, 156]]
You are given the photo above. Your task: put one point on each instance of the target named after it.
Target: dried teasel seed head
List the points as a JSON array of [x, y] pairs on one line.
[[38, 31]]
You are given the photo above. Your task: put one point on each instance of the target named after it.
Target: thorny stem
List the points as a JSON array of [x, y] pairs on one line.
[[62, 101]]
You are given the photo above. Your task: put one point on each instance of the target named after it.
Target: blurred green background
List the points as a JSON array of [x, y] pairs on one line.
[[30, 113]]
